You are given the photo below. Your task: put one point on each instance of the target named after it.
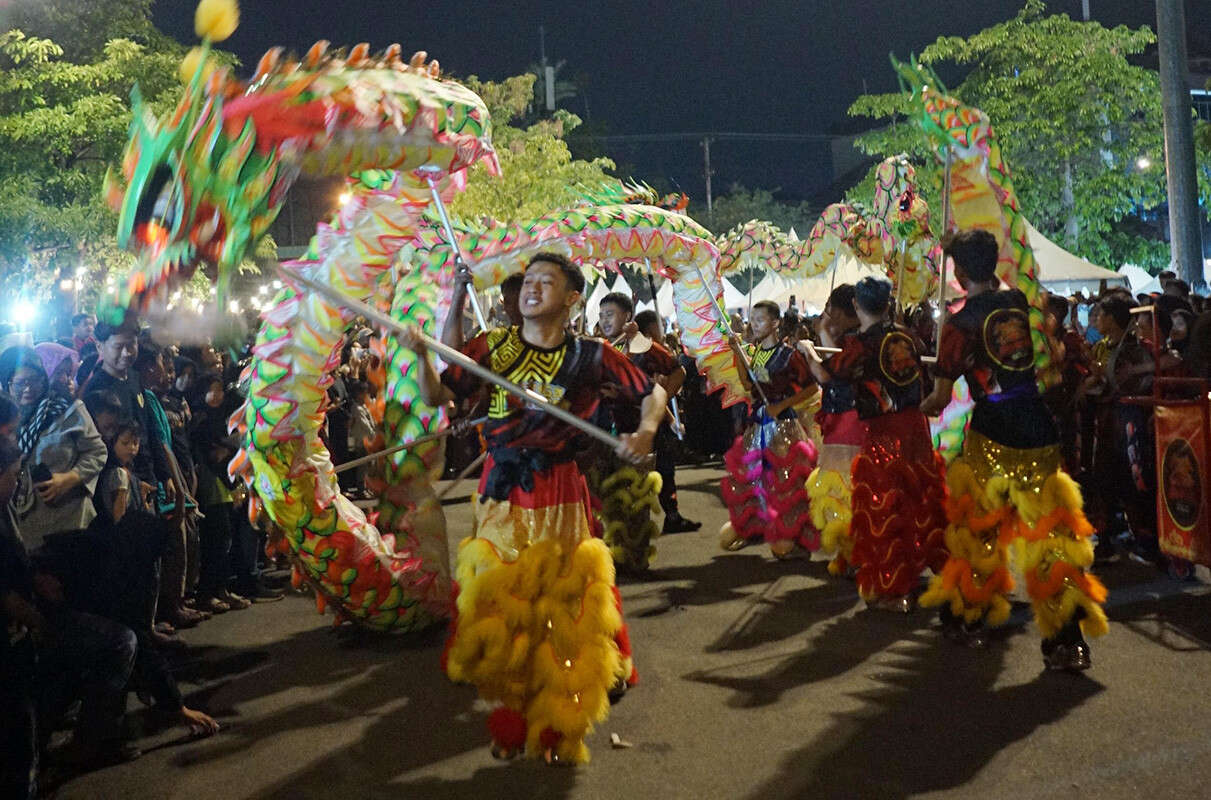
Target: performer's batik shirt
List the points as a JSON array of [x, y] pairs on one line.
[[989, 342], [782, 372], [882, 366], [574, 375]]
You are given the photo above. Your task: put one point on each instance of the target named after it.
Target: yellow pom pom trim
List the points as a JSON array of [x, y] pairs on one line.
[[216, 19], [189, 66]]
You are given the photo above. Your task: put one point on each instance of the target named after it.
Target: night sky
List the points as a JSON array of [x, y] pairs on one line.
[[662, 67]]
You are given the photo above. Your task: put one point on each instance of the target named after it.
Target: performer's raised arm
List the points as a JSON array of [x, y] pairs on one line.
[[432, 392]]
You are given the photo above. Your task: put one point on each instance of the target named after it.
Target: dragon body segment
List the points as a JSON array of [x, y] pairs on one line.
[[982, 195], [893, 233], [607, 236], [203, 184]]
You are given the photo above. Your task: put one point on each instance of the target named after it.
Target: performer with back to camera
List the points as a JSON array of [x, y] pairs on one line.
[[769, 463], [539, 627], [898, 490], [1008, 484], [843, 434]]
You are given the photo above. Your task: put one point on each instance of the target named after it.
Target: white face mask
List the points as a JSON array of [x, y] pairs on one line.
[[182, 383]]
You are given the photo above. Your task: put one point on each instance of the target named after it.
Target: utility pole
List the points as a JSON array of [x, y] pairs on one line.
[[1185, 234], [1085, 9], [548, 73], [706, 163]]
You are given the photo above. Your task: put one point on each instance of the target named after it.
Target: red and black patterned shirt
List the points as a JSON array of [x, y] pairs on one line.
[[882, 366], [574, 375], [988, 341], [624, 415]]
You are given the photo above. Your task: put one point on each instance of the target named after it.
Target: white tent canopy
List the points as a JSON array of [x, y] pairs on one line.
[[591, 303], [1064, 273], [1139, 279], [733, 298]]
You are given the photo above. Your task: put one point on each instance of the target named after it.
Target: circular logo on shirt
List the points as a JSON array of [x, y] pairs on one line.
[[1181, 484], [1007, 339], [898, 359]]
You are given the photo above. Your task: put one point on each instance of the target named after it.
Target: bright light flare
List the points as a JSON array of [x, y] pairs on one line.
[[1143, 162], [344, 198], [23, 313]]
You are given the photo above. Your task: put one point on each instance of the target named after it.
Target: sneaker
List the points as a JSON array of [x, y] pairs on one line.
[[1069, 657], [260, 593], [675, 523], [897, 605], [959, 631]]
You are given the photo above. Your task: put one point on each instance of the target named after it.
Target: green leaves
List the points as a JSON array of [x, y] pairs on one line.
[[539, 173], [1073, 116], [65, 113]]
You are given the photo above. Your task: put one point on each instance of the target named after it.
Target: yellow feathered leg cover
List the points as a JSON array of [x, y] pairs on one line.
[[631, 515], [1000, 496], [829, 492], [537, 634]]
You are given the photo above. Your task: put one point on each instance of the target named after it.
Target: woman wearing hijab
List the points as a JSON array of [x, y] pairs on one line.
[[60, 364], [63, 452]]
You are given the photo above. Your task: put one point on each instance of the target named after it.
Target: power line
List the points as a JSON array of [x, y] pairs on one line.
[[699, 135]]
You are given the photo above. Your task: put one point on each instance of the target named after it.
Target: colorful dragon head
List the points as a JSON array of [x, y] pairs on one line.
[[191, 192], [898, 201], [981, 192], [202, 185]]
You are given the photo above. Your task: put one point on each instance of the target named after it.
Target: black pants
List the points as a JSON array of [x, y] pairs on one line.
[[666, 449], [214, 545], [245, 543]]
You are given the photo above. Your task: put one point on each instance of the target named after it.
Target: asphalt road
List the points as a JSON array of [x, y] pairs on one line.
[[759, 679]]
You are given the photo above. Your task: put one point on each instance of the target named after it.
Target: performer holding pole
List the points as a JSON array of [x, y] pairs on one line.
[[1008, 484], [769, 463], [632, 502], [898, 490], [539, 628]]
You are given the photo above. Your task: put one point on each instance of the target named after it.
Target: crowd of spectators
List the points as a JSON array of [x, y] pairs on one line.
[[119, 526]]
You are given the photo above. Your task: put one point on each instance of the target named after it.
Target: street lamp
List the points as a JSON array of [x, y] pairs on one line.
[[1143, 163]]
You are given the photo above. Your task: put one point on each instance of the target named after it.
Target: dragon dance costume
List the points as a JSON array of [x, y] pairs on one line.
[[898, 490], [829, 487], [1009, 486], [539, 621], [631, 509], [769, 463]]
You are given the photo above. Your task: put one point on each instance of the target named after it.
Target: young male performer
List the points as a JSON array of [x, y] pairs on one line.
[[898, 491], [769, 463], [1008, 484], [616, 314], [627, 501], [842, 433], [539, 626]]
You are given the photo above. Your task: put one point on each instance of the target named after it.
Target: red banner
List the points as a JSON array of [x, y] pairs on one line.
[[1181, 497]]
